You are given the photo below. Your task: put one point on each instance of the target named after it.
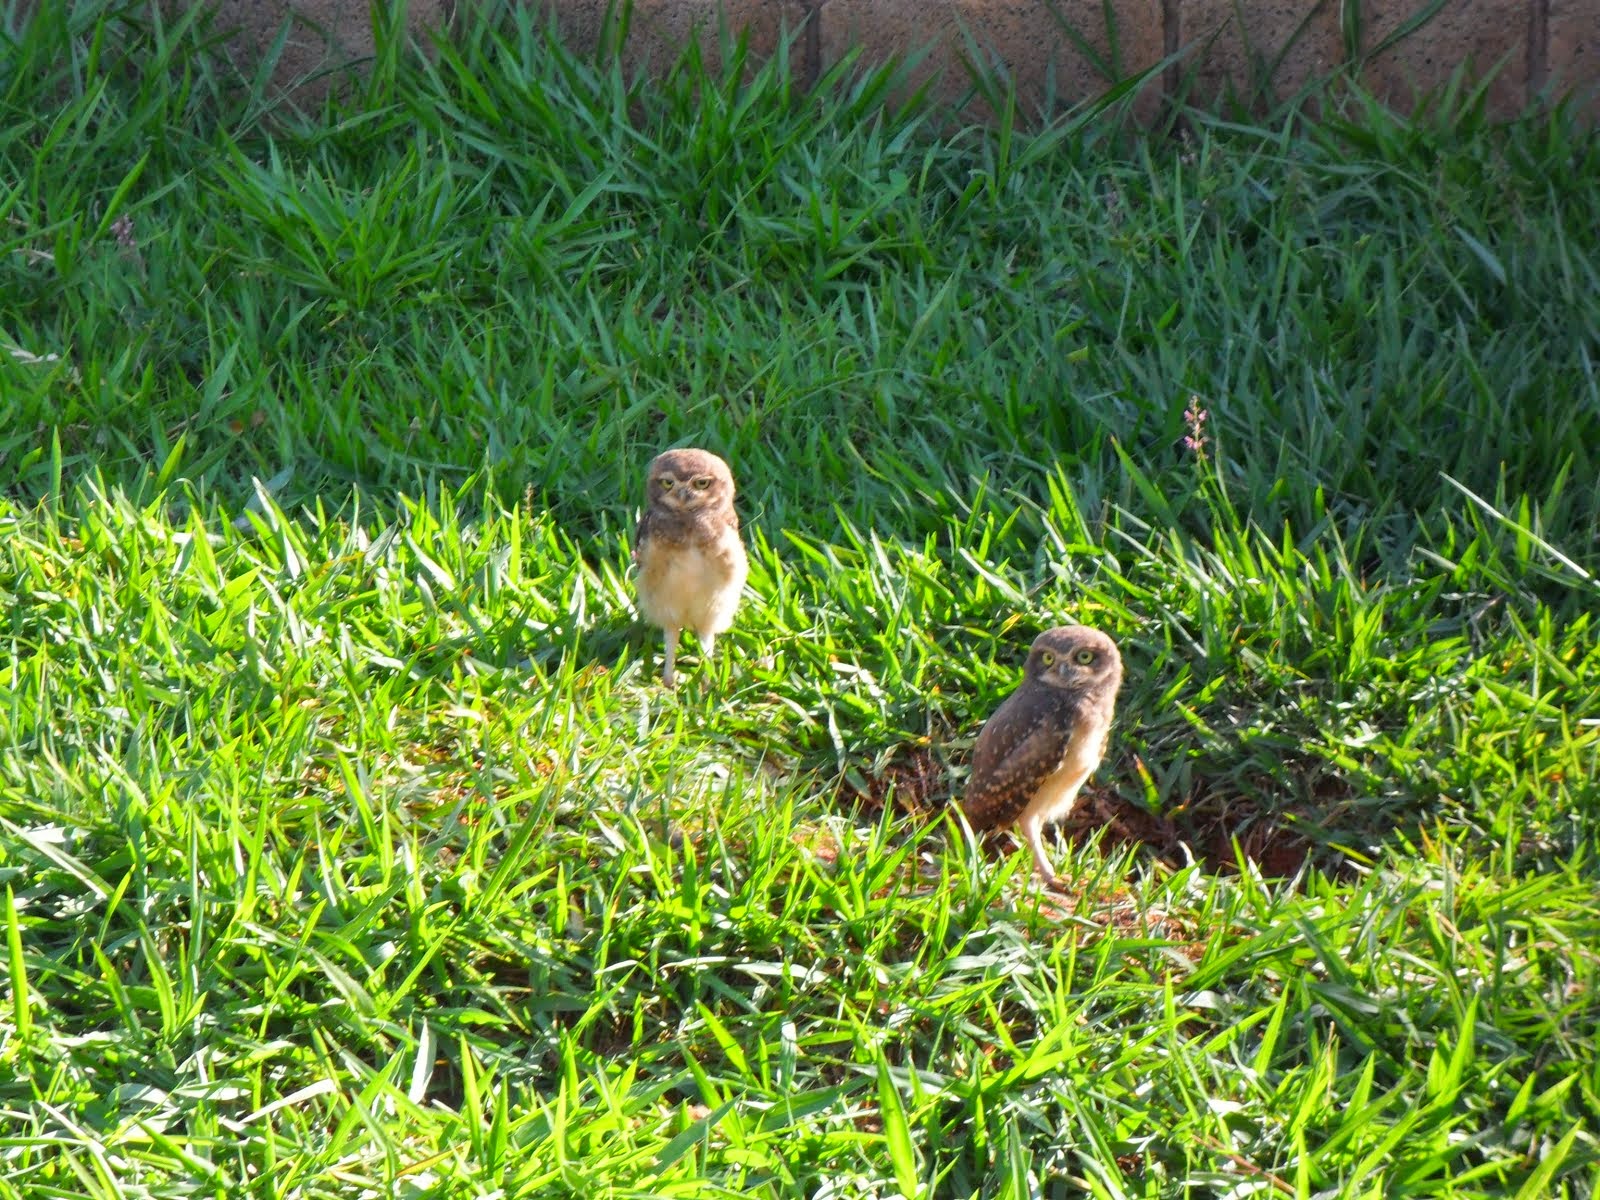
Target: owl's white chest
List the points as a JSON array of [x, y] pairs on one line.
[[692, 585], [1058, 792]]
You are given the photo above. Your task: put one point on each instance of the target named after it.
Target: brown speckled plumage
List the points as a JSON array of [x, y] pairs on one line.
[[690, 560], [1047, 737]]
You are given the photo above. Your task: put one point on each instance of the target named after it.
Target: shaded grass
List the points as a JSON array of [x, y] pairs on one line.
[[1348, 302], [347, 839]]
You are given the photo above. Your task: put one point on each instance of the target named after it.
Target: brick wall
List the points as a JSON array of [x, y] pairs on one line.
[[1256, 48]]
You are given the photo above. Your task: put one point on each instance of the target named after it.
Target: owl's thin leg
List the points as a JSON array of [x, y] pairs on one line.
[[708, 646], [669, 677], [1033, 830]]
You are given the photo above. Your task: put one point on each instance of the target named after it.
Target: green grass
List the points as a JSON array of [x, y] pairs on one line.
[[349, 846]]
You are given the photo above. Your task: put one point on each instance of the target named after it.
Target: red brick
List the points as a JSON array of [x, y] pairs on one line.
[[1480, 32], [324, 37], [1282, 46], [658, 30], [1025, 36], [1572, 52]]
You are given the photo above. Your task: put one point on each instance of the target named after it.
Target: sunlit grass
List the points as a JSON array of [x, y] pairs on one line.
[[350, 846]]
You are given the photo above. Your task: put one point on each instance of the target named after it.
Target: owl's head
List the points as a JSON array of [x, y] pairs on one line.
[[1076, 658], [688, 479]]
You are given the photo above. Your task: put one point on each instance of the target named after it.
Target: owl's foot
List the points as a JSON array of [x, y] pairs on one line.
[[669, 676], [1032, 832]]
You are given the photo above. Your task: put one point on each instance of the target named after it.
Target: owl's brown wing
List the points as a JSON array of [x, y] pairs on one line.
[[1020, 746]]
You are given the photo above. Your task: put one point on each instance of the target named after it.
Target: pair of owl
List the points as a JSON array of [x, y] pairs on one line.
[[1033, 754]]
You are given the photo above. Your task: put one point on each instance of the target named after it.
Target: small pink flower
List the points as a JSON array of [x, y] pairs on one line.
[[122, 230], [1195, 418]]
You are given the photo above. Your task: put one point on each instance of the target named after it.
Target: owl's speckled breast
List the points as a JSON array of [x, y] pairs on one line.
[[1058, 791]]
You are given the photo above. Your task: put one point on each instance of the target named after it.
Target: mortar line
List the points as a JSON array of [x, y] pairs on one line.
[[1171, 38], [1538, 49], [811, 67]]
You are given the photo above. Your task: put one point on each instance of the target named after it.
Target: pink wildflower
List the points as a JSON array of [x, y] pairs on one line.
[[1195, 418]]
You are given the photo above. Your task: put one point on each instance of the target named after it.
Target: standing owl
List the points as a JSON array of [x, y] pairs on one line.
[[1048, 736], [691, 562]]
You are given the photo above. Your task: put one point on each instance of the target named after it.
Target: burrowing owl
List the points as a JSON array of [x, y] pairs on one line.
[[1047, 737], [691, 561]]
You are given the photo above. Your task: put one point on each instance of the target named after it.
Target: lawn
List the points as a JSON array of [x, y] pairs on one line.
[[349, 845]]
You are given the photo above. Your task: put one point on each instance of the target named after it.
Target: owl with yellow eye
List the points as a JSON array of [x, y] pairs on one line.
[[692, 565], [1047, 737]]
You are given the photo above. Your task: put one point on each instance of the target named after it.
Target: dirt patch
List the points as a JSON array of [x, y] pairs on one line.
[[912, 780], [1205, 824]]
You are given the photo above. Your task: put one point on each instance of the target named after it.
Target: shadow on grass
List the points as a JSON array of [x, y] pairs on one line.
[[1216, 825]]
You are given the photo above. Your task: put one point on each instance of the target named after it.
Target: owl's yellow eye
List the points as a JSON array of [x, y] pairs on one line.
[[702, 482], [1047, 658], [1083, 657], [666, 484]]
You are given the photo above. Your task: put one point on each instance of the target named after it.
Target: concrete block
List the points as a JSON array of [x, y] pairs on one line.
[[1483, 33], [1027, 37], [1281, 46]]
